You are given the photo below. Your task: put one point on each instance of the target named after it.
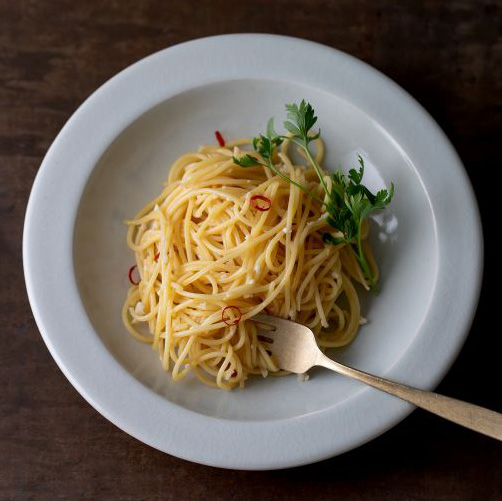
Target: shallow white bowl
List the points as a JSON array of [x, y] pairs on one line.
[[112, 157]]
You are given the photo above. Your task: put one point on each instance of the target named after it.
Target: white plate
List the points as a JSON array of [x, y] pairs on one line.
[[112, 156]]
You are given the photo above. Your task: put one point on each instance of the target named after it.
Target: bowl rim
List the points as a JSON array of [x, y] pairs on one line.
[[55, 299]]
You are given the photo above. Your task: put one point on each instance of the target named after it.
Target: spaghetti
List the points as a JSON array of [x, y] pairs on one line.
[[223, 243]]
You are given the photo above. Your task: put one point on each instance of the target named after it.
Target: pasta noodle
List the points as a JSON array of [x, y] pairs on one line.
[[207, 255]]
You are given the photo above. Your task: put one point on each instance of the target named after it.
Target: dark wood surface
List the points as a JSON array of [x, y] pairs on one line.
[[53, 54]]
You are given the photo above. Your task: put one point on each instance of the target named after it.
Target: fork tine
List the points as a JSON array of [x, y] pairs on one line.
[[265, 339], [263, 319], [292, 344], [270, 320]]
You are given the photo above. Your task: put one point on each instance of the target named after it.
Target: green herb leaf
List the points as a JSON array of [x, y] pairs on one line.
[[293, 129], [246, 161], [328, 238], [349, 202], [271, 134], [302, 119]]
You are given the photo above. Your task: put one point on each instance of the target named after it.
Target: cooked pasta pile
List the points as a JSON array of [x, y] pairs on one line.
[[223, 243]]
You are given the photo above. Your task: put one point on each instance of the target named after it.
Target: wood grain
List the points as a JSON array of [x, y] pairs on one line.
[[53, 55]]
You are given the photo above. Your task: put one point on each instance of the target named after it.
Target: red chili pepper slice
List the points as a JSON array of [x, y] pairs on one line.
[[229, 321], [131, 271], [156, 258], [261, 203], [220, 139]]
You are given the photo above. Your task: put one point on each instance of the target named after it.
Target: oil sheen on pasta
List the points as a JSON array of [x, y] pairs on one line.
[[200, 246]]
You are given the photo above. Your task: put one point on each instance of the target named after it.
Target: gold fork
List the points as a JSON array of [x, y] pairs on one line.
[[295, 349]]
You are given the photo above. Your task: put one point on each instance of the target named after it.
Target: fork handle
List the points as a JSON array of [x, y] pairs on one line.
[[471, 416]]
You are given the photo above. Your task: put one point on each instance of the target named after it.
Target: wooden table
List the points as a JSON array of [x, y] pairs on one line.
[[53, 55]]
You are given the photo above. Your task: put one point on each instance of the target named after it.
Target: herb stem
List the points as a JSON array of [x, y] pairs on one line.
[[348, 202], [312, 161], [271, 166], [363, 261]]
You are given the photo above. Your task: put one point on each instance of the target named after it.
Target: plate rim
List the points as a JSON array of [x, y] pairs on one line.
[[37, 251]]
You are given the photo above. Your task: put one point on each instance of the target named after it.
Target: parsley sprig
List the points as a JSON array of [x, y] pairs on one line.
[[348, 202]]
